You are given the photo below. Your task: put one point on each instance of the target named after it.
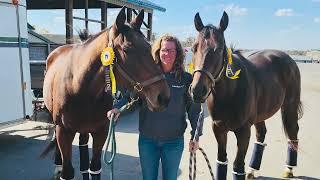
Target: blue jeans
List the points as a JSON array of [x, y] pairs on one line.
[[151, 151]]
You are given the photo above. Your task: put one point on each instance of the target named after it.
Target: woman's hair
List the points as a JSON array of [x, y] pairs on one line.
[[178, 66]]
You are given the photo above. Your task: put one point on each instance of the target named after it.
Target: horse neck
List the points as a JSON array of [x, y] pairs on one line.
[[226, 88], [89, 72]]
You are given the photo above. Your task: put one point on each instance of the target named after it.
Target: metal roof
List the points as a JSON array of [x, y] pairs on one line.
[[148, 6]]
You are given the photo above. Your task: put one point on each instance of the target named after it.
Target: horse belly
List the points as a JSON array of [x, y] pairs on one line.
[[85, 116], [83, 121], [267, 107]]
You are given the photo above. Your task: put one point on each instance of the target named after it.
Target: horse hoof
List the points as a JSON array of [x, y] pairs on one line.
[[250, 176], [288, 174]]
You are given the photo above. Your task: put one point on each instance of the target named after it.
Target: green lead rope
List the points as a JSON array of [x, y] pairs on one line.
[[111, 138]]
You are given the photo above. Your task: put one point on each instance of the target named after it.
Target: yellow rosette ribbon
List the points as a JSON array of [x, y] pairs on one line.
[[107, 58], [229, 72]]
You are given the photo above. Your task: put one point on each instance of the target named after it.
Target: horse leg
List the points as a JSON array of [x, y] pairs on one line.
[[220, 133], [99, 137], [64, 141], [243, 138], [290, 114], [58, 163], [258, 148], [84, 155]]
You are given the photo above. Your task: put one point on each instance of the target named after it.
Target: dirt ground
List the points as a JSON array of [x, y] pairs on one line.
[[21, 144]]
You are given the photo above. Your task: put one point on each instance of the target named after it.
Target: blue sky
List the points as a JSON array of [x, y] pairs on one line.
[[272, 24]]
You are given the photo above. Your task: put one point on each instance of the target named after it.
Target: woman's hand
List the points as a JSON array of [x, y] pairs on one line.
[[193, 146], [113, 112]]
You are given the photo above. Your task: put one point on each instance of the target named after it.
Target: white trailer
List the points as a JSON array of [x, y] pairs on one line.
[[15, 85]]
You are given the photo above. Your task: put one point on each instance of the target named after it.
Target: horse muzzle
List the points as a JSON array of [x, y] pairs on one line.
[[199, 92]]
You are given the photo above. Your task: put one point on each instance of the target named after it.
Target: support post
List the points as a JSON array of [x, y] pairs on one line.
[[129, 15], [86, 14], [69, 21], [104, 10], [149, 34]]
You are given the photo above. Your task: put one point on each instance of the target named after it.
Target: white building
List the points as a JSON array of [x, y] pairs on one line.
[[15, 86]]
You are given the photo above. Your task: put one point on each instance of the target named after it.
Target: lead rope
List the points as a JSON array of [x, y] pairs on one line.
[[112, 138], [193, 157]]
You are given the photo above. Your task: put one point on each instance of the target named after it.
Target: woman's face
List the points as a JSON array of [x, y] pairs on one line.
[[168, 54]]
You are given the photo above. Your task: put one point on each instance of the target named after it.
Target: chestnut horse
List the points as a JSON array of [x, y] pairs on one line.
[[74, 88], [268, 80]]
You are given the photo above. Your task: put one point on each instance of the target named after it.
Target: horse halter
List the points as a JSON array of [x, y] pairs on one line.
[[137, 86], [213, 80]]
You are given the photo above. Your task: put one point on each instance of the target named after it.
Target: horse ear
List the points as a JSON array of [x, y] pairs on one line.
[[137, 22], [121, 19], [198, 22], [224, 21]]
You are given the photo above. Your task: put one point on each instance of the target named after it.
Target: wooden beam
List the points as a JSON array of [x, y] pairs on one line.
[[149, 26], [144, 23], [104, 10], [69, 21], [88, 20], [86, 13], [129, 15]]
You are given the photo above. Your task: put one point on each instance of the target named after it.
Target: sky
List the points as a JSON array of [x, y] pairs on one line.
[[253, 24]]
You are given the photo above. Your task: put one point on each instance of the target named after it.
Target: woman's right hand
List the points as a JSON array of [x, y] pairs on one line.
[[113, 112]]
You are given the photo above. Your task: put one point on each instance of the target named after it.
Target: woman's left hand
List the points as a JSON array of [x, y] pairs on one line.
[[193, 146]]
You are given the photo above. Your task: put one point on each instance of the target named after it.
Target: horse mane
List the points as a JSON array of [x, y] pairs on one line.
[[86, 37], [236, 51]]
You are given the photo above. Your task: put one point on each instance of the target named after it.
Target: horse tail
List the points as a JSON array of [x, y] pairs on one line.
[[292, 108], [49, 147]]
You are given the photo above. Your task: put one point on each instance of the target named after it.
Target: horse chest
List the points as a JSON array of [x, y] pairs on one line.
[[84, 113]]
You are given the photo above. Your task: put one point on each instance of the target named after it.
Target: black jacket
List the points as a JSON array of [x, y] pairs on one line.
[[171, 123]]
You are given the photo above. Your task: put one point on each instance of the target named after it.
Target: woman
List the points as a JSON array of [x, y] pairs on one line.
[[161, 133]]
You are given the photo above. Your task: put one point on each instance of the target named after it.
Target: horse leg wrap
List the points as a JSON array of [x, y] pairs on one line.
[[292, 153], [84, 161], [221, 171], [95, 175], [66, 179], [239, 175], [257, 156], [85, 174], [57, 171]]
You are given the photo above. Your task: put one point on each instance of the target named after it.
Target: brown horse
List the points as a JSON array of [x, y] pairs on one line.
[[269, 80], [74, 87]]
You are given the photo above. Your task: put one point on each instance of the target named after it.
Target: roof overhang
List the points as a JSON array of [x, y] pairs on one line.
[[80, 4]]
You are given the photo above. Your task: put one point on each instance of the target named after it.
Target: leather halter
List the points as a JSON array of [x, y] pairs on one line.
[[137, 86], [213, 80]]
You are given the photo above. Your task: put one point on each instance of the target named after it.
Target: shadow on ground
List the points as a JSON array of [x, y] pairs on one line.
[[19, 160], [295, 178]]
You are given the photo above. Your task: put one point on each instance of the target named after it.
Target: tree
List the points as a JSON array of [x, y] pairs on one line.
[[153, 37], [188, 42]]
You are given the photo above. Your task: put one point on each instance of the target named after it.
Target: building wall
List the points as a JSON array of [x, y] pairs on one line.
[[38, 53]]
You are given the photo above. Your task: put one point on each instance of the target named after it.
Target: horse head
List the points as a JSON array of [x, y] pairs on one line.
[[134, 63], [209, 53]]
